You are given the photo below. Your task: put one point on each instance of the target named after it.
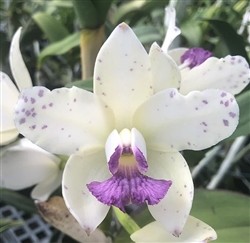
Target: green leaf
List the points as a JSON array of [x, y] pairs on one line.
[[8, 223], [243, 127], [229, 36], [147, 34], [126, 221], [192, 32], [227, 212], [91, 14], [52, 28], [60, 47], [86, 84], [17, 200]]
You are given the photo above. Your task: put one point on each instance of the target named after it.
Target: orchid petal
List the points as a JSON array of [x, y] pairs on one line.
[[230, 74], [44, 189], [8, 136], [195, 231], [176, 54], [169, 120], [63, 121], [79, 171], [122, 68], [165, 72], [18, 68], [172, 30], [9, 96], [24, 167], [177, 203]]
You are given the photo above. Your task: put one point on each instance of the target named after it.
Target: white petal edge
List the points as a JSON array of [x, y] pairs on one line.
[[8, 136], [122, 74], [17, 65], [44, 189], [195, 231], [176, 54], [22, 168], [165, 72], [138, 142], [9, 96], [169, 120], [230, 74], [63, 121], [172, 31], [79, 171], [173, 210]]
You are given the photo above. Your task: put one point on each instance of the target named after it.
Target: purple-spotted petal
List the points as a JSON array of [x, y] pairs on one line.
[[79, 171], [9, 96], [230, 74], [21, 170], [172, 31], [194, 231], [17, 65], [177, 203], [195, 121], [165, 72], [122, 68], [63, 121], [176, 54]]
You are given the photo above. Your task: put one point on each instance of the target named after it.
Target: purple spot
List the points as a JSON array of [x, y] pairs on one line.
[[32, 109], [44, 106], [185, 186], [232, 114], [103, 94], [151, 87], [25, 99], [223, 94], [62, 128], [98, 78], [205, 102], [69, 136], [221, 102], [196, 108], [204, 123], [226, 103], [32, 100], [23, 110], [204, 130], [17, 112], [189, 143], [131, 69], [40, 93], [21, 121], [65, 187], [44, 126], [32, 127], [27, 113], [225, 122], [99, 60], [77, 149], [232, 99], [172, 94], [239, 61], [34, 114], [50, 104]]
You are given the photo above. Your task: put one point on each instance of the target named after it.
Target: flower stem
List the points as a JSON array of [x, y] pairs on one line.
[[91, 42]]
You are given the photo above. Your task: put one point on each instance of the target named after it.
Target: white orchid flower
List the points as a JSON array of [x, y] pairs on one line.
[[194, 231], [23, 164], [198, 64], [125, 125]]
